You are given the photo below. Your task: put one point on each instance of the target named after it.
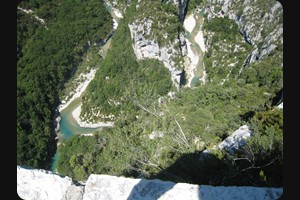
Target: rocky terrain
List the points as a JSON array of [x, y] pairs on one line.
[[259, 25], [157, 36], [38, 184]]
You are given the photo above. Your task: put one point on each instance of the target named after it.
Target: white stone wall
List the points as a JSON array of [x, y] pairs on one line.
[[38, 184]]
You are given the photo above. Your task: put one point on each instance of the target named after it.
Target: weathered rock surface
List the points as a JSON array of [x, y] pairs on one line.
[[44, 185], [234, 141], [259, 22], [148, 47]]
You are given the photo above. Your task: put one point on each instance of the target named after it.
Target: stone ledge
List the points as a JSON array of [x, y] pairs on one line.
[[44, 185]]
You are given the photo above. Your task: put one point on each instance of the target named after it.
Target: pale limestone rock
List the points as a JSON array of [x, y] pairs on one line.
[[156, 134], [252, 23], [234, 141], [41, 184], [149, 48], [121, 188]]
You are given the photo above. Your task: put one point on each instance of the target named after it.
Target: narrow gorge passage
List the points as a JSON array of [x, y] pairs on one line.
[[68, 124], [195, 48]]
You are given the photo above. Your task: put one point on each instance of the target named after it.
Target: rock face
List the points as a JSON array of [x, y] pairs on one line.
[[157, 36], [44, 185], [234, 141], [260, 23], [111, 187], [280, 105], [149, 48], [182, 7]]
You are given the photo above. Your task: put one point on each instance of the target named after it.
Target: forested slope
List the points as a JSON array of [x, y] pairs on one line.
[[49, 53], [161, 132]]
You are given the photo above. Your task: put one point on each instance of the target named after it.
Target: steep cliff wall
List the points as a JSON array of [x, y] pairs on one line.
[[182, 7], [259, 34], [238, 34], [155, 34], [260, 23], [149, 48]]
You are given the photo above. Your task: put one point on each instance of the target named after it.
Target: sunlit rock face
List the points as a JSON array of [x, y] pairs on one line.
[[39, 184], [149, 48], [234, 141], [260, 23], [151, 36], [42, 184]]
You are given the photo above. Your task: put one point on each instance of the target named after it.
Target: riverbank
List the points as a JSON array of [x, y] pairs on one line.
[[196, 48], [116, 14], [200, 40], [69, 122], [189, 23], [79, 89], [76, 116], [190, 63]]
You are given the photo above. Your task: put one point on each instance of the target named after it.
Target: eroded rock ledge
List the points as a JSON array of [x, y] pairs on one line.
[[42, 184]]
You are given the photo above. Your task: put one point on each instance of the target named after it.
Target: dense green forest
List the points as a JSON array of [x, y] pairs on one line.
[[48, 55], [159, 136], [122, 79], [266, 74], [128, 150]]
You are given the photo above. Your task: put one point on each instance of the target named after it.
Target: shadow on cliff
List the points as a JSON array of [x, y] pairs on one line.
[[195, 168], [182, 78], [201, 169], [183, 169], [186, 169], [150, 189]]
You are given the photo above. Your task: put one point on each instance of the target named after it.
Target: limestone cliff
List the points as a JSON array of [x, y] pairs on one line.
[[37, 184], [260, 23], [259, 34], [43, 184], [155, 34], [148, 48]]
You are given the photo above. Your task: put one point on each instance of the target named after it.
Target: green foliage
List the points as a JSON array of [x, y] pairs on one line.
[[121, 78], [227, 51], [192, 4], [169, 8], [156, 75], [203, 104], [48, 57], [164, 17], [78, 156], [104, 153], [265, 149], [25, 29], [32, 4], [196, 119], [222, 25], [259, 162], [130, 152], [120, 67], [268, 73]]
